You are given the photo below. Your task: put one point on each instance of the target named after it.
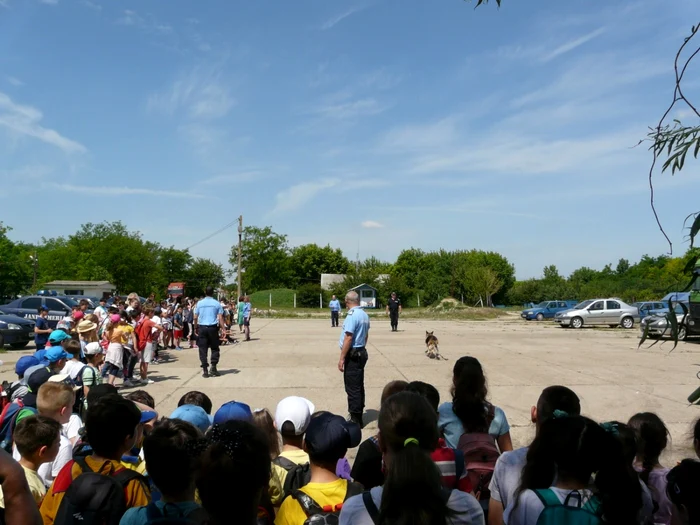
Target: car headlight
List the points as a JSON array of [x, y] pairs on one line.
[[529, 313], [13, 326], [690, 322]]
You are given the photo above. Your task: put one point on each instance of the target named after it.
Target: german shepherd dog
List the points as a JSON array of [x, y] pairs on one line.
[[431, 346]]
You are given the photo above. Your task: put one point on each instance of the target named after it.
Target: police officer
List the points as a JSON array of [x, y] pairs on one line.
[[353, 355], [334, 305], [208, 320], [393, 308]]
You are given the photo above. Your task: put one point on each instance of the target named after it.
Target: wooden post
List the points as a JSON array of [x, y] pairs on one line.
[[270, 299], [240, 243], [295, 300], [320, 301]]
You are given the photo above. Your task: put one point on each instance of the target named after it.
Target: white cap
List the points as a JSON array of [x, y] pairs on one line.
[[93, 348], [62, 378], [296, 410]]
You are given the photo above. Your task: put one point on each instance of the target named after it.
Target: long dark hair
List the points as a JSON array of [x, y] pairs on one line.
[[469, 393], [652, 438], [683, 485], [413, 487], [575, 448]]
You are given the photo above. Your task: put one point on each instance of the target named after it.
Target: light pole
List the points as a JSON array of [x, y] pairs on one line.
[[35, 262]]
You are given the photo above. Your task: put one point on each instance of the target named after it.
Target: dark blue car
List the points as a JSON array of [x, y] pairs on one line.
[[28, 307], [15, 331], [546, 310]]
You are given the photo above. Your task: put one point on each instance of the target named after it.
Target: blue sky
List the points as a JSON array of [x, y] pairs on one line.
[[387, 124]]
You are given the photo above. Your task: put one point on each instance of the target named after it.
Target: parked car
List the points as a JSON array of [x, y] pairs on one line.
[[650, 307], [612, 312], [546, 310], [658, 324], [92, 300], [28, 307], [15, 331]]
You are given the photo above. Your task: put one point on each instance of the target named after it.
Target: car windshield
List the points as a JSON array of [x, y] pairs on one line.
[[69, 302], [584, 304], [637, 305], [543, 304]]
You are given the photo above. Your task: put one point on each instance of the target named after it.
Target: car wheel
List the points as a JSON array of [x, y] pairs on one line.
[[682, 333], [19, 346], [576, 322], [627, 323], [540, 317]]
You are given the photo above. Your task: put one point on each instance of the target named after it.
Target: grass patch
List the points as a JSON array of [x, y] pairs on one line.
[[281, 298]]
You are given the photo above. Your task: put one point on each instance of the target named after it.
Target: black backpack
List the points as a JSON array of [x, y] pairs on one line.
[[156, 517], [317, 515], [79, 405], [297, 475], [94, 498]]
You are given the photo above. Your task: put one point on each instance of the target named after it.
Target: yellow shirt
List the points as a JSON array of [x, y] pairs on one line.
[[36, 486], [332, 494], [279, 474]]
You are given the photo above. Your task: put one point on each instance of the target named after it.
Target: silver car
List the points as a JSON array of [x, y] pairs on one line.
[[658, 324], [612, 312]]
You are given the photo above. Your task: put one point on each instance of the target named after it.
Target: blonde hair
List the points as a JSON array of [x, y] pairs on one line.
[[52, 397]]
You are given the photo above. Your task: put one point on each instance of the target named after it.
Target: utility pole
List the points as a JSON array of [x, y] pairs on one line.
[[240, 243], [34, 264]]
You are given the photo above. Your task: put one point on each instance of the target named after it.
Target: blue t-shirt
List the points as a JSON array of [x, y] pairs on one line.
[[246, 310], [356, 323], [139, 515], [451, 426], [207, 311], [41, 324], [334, 305]]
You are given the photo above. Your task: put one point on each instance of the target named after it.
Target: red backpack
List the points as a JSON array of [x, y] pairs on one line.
[[480, 456]]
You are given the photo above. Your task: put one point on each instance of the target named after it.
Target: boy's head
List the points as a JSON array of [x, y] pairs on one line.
[[94, 353], [111, 426], [143, 397], [328, 438], [148, 311], [198, 399], [555, 398], [55, 400], [292, 417], [23, 363], [57, 357], [37, 438], [429, 392], [168, 461], [72, 347], [393, 387]]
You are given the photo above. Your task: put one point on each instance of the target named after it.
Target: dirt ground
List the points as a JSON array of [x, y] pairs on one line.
[[299, 357]]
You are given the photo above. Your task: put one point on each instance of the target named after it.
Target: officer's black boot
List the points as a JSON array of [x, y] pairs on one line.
[[214, 371], [205, 372], [356, 417]]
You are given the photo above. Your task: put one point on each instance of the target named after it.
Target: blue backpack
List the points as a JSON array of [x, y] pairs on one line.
[[8, 421], [155, 516], [555, 513]]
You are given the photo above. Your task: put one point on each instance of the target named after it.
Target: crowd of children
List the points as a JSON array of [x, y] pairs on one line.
[[79, 452]]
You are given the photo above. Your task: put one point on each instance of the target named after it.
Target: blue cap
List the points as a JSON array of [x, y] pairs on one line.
[[148, 415], [193, 414], [25, 362], [331, 436], [233, 411], [44, 308], [57, 336], [56, 353]]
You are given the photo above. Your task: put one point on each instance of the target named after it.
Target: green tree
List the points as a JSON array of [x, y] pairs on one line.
[[16, 273], [264, 259], [480, 283], [174, 264], [309, 261], [201, 273], [408, 266]]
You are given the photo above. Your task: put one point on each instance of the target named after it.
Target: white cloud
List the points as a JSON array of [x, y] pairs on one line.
[[130, 18], [115, 191], [334, 20], [148, 25], [372, 224], [351, 109], [92, 5], [238, 177], [14, 81], [573, 44], [295, 197], [25, 120]]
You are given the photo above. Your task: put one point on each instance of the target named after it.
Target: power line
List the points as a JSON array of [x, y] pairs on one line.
[[217, 232]]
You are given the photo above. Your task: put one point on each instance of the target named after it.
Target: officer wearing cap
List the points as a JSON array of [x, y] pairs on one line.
[[208, 320], [41, 329], [353, 355], [393, 308]]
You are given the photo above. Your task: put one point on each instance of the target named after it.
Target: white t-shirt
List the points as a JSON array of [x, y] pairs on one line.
[[72, 368], [48, 471], [156, 320], [466, 506], [506, 475], [72, 428], [530, 506]]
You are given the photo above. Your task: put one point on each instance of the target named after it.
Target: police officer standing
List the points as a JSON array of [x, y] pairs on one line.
[[334, 305], [208, 320], [393, 308], [353, 355]]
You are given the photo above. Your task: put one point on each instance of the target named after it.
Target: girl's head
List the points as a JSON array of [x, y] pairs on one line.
[[469, 394], [234, 471], [408, 434], [682, 489], [264, 421], [572, 449], [652, 438], [626, 436]]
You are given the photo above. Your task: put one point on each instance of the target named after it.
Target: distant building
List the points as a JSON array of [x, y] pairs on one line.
[[91, 288], [368, 295], [329, 279]]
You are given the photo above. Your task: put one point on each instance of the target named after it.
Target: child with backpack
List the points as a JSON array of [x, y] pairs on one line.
[[506, 474], [291, 470], [683, 486], [90, 376], [171, 467], [147, 341], [97, 488], [19, 388], [233, 474], [74, 365], [37, 439], [652, 438], [568, 453], [327, 440], [413, 491]]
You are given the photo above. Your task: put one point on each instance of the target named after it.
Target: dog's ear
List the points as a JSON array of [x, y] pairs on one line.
[[427, 333]]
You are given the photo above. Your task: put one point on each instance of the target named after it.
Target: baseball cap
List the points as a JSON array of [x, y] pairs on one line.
[[38, 378], [62, 378], [93, 348], [57, 336], [25, 362], [56, 353], [115, 318], [329, 436], [63, 325], [148, 415], [78, 315], [296, 410], [85, 326], [233, 411], [193, 414], [44, 308]]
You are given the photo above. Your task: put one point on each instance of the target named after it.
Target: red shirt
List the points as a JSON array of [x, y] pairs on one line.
[[444, 458]]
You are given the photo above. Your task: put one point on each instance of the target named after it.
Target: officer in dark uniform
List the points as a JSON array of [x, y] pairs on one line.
[[353, 355], [393, 308]]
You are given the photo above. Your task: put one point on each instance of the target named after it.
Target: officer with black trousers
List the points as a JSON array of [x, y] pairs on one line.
[[353, 355], [209, 327], [393, 308]]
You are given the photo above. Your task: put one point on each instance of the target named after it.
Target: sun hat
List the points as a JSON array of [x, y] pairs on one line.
[[193, 414], [85, 326], [233, 411], [58, 336], [297, 410]]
